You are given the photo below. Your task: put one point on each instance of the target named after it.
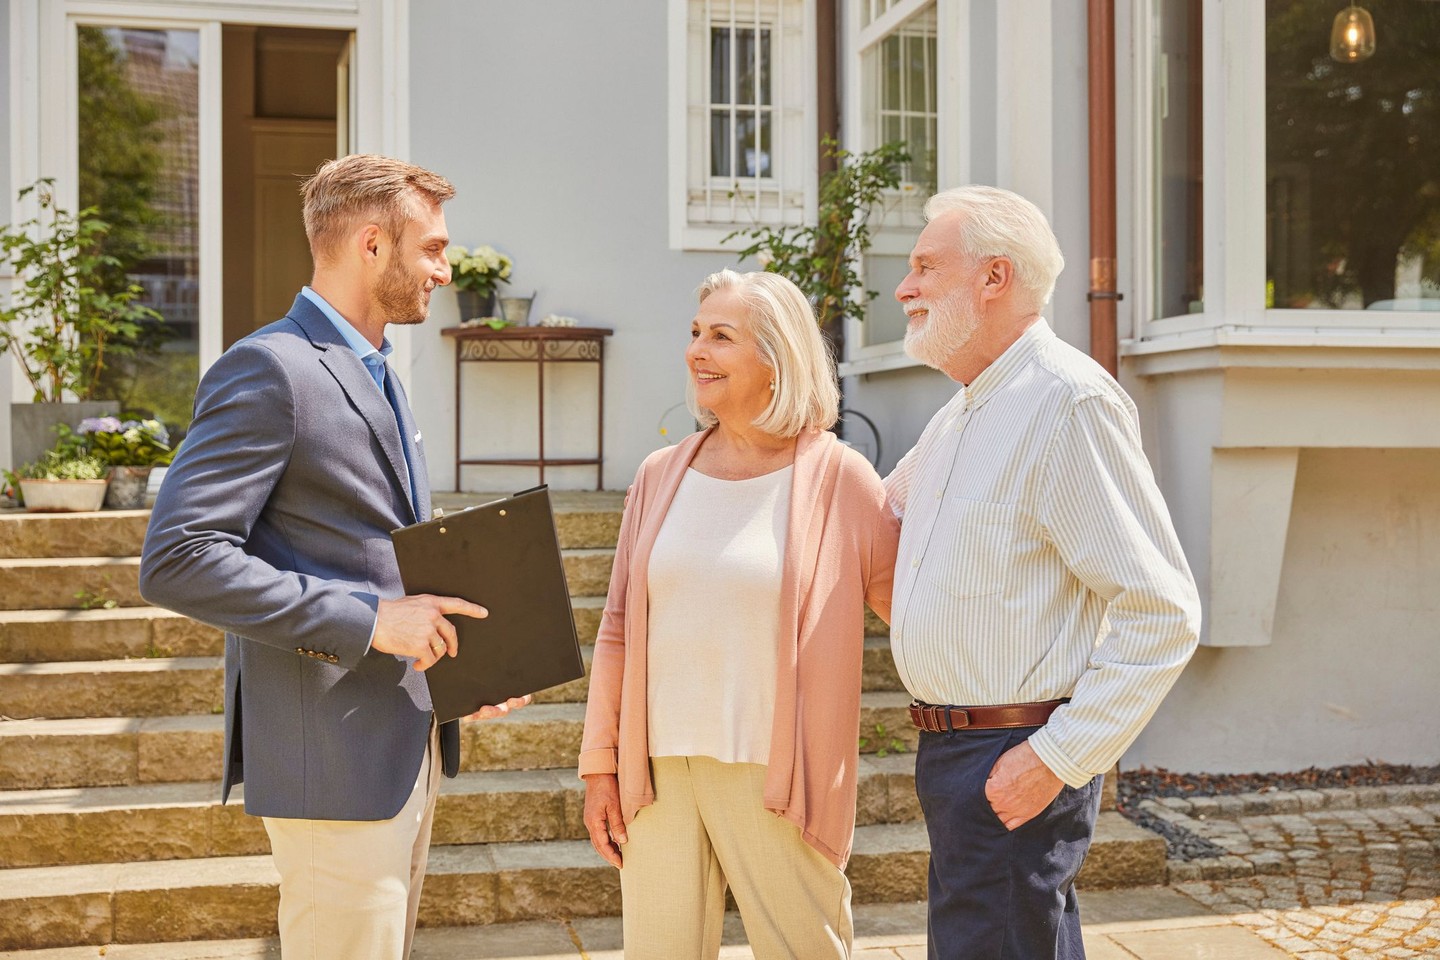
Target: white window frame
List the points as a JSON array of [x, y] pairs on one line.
[[45, 101], [1234, 207], [702, 212], [895, 234]]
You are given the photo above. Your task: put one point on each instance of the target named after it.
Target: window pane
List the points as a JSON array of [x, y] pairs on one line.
[[745, 65], [918, 71], [1179, 184], [765, 92], [720, 65], [720, 143], [1353, 197], [139, 164], [752, 138], [890, 79]]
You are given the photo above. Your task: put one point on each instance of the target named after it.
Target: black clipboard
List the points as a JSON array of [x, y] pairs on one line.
[[505, 556]]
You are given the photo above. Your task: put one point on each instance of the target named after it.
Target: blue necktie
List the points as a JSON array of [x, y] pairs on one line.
[[387, 388]]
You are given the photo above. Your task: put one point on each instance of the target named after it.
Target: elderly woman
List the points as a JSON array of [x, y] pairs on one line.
[[721, 734]]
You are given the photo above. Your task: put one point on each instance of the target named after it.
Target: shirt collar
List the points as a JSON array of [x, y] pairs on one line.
[[1009, 363], [373, 359]]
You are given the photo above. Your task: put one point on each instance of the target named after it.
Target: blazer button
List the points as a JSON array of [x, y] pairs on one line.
[[333, 659], [299, 649]]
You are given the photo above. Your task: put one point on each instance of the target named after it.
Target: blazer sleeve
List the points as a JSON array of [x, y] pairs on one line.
[[599, 747], [194, 560]]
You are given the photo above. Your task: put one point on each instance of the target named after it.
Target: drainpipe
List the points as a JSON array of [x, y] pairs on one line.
[[1103, 295]]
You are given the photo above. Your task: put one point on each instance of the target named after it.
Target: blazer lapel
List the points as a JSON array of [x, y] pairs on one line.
[[359, 386]]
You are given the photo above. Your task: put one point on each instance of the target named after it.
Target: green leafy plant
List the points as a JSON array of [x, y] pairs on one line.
[[95, 601], [60, 465], [824, 259], [131, 443], [64, 319], [482, 269], [884, 741]]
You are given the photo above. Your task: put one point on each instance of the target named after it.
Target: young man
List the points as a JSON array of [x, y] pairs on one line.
[[1042, 607], [274, 524]]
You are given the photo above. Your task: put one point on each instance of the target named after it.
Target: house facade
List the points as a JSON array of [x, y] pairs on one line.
[[1275, 212]]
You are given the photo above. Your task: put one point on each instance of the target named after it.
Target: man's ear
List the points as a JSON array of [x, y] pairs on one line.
[[369, 240], [999, 277]]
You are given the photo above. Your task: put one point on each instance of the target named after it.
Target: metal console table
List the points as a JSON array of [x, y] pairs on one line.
[[540, 346]]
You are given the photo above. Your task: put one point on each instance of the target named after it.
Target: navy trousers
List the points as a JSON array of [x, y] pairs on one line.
[[998, 894]]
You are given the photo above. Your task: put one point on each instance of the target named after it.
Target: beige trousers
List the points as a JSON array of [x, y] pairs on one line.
[[708, 827], [350, 889]]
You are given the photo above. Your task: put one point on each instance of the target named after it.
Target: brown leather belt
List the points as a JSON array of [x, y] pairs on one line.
[[942, 719]]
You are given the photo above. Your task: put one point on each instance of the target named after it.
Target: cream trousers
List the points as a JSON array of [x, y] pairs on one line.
[[350, 889], [707, 828]]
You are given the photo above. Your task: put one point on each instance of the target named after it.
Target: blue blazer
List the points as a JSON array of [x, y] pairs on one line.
[[273, 524]]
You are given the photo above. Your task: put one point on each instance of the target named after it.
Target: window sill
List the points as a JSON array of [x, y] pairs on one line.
[[878, 359]]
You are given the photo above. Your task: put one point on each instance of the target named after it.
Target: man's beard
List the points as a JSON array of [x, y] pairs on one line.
[[949, 325], [399, 299]]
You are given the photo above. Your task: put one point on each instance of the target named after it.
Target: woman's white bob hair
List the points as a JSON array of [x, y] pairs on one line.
[[806, 395]]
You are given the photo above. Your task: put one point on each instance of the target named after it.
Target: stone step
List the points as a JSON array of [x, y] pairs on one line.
[[149, 687], [36, 636], [108, 533], [114, 751], [178, 821], [41, 636], [224, 897], [68, 583], [170, 686], [582, 521]]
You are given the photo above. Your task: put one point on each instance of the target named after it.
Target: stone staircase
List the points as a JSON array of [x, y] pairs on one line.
[[110, 826]]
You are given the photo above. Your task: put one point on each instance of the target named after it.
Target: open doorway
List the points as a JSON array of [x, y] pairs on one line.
[[286, 96]]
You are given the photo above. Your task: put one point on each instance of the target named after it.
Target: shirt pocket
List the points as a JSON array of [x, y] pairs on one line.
[[980, 555]]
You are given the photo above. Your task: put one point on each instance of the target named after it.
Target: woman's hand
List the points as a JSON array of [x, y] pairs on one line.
[[602, 816]]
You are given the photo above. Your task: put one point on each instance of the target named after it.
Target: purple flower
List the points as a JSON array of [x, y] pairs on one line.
[[99, 425]]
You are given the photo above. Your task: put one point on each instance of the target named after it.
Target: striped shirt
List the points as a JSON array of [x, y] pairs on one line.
[[1037, 558]]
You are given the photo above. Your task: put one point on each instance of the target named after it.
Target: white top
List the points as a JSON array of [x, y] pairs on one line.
[[714, 593], [1037, 558]]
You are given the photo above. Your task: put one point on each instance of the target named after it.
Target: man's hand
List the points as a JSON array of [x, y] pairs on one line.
[[416, 627], [602, 816], [494, 712], [1020, 786]]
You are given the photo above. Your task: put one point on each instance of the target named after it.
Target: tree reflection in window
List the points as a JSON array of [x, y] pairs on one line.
[[1353, 160]]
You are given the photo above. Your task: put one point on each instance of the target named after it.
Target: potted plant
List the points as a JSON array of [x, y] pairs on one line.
[[475, 275], [65, 318], [64, 478], [131, 449]]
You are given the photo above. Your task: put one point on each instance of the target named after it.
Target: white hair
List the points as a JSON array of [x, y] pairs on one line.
[[999, 223], [806, 395]]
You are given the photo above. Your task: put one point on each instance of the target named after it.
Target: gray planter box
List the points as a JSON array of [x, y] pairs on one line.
[[32, 425]]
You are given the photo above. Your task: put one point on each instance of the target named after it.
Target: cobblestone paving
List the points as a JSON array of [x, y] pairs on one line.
[[1320, 874]]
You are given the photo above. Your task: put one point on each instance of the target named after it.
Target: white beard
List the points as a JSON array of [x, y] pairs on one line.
[[949, 325]]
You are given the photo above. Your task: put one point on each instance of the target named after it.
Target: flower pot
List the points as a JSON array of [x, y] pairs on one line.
[[474, 304], [62, 496], [517, 309], [127, 488]]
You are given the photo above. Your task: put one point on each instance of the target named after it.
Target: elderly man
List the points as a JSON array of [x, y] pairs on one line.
[[1043, 607], [274, 524]]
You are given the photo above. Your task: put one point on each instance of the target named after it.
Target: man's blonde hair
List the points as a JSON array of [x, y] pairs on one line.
[[365, 188], [806, 396]]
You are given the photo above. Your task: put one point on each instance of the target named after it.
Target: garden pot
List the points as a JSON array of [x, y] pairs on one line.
[[475, 305], [127, 488], [32, 425], [62, 496]]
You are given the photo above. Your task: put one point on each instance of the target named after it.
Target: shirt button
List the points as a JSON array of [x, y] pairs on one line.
[[939, 494], [915, 564]]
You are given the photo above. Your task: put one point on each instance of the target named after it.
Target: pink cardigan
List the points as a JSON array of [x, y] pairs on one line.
[[839, 555]]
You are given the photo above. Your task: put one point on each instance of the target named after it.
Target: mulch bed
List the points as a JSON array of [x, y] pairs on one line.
[[1180, 844]]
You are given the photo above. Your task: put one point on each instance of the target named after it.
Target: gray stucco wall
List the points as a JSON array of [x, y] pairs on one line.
[[556, 141]]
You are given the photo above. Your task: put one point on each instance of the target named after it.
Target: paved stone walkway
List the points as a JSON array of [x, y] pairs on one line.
[[1320, 874]]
